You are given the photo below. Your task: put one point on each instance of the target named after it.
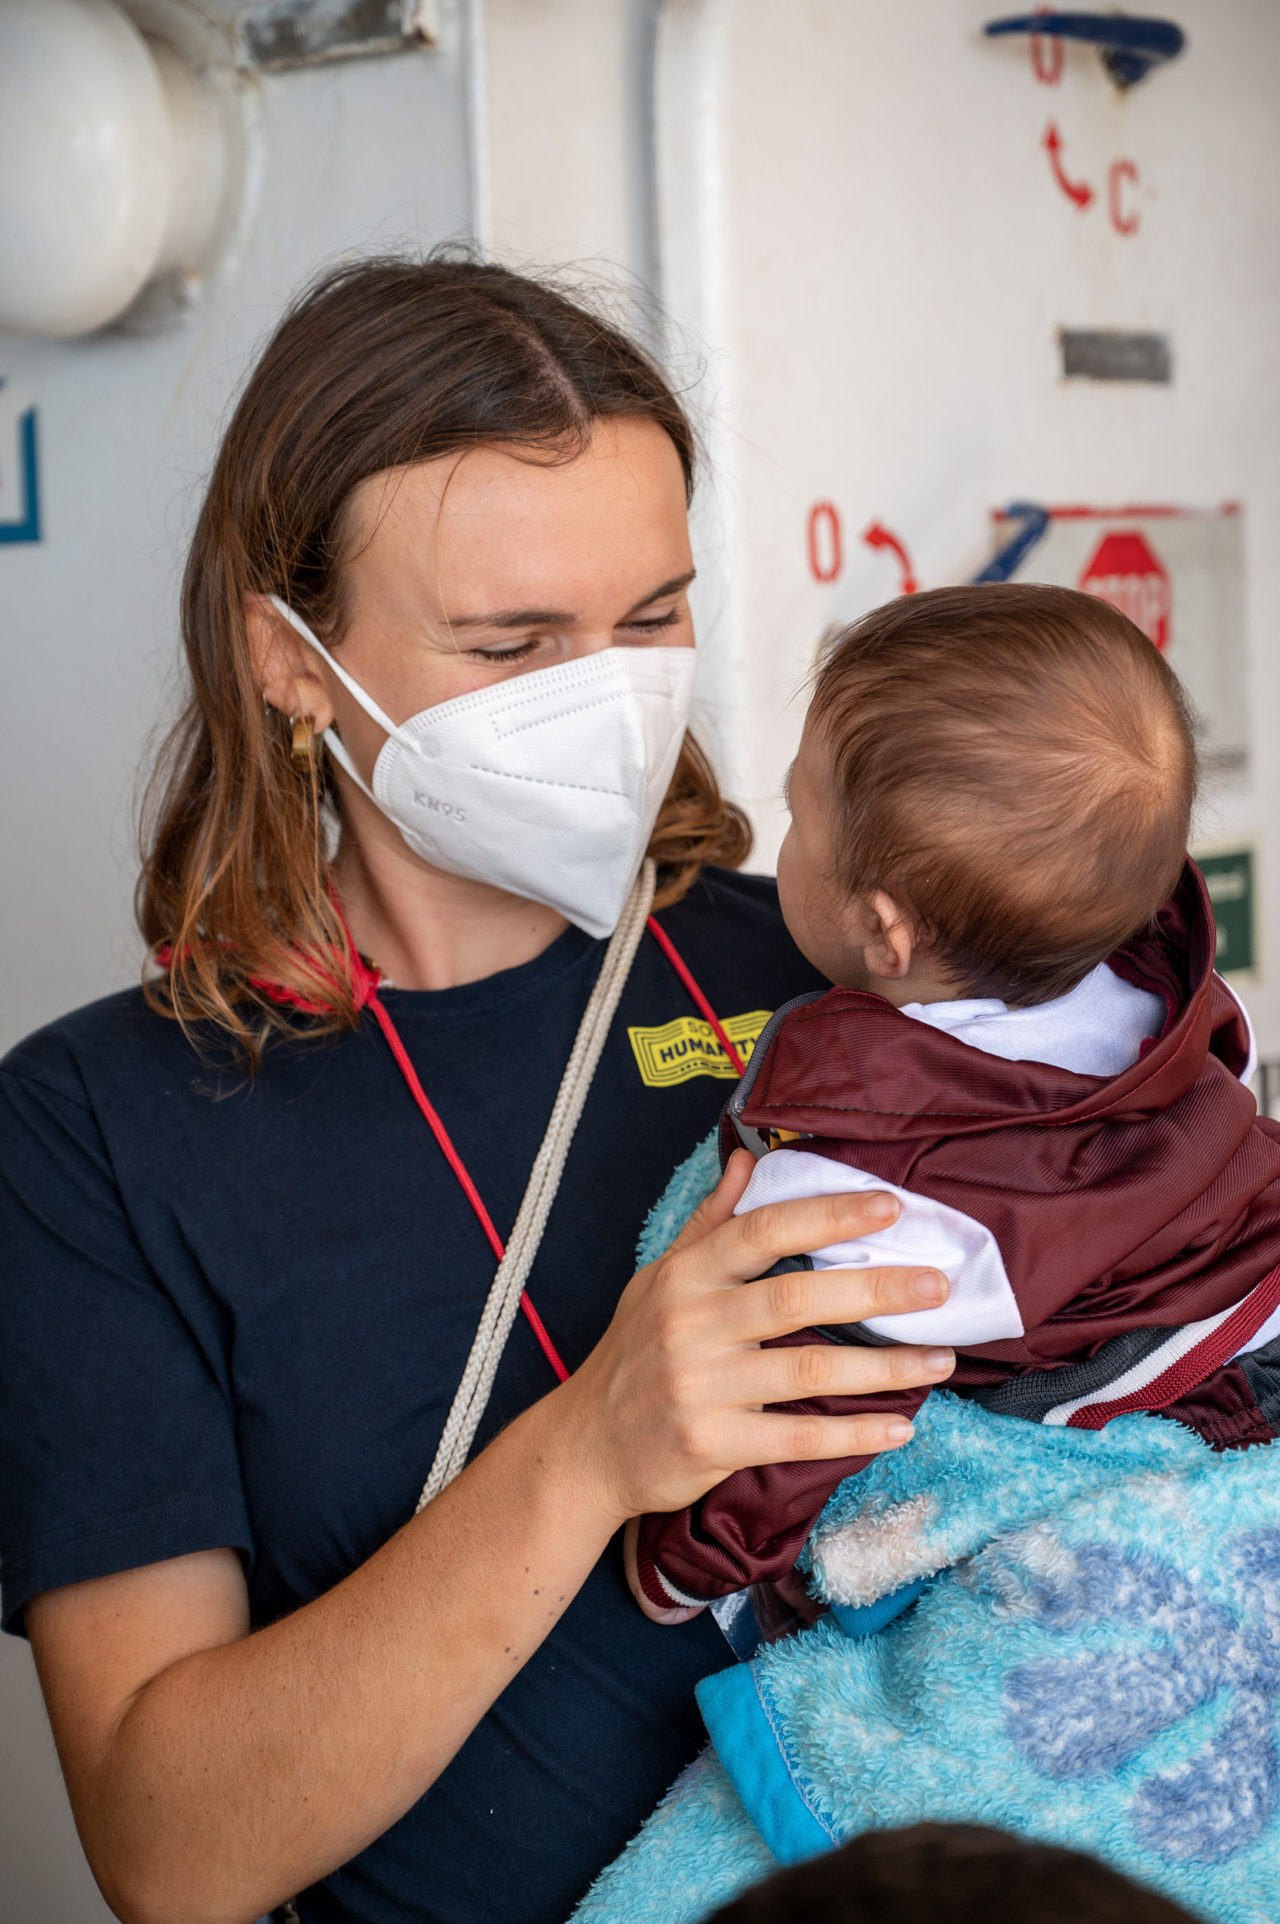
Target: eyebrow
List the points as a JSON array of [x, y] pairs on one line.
[[558, 617]]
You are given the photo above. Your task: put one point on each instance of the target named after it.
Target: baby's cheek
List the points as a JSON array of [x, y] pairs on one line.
[[796, 899]]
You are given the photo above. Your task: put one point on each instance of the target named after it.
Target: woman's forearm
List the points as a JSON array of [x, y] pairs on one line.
[[243, 1773], [214, 1772]]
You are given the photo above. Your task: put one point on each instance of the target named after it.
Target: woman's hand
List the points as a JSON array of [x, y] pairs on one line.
[[670, 1402], [211, 1777]]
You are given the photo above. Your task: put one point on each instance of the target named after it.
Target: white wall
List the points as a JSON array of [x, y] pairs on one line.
[[560, 98]]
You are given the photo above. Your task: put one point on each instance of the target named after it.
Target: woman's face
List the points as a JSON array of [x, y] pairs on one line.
[[478, 567]]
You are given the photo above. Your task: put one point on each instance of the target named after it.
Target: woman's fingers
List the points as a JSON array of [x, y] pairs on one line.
[[818, 1298], [752, 1243], [798, 1374], [717, 1209], [770, 1438], [672, 1399]]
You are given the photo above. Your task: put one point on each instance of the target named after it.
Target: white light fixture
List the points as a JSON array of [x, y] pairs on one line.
[[123, 162]]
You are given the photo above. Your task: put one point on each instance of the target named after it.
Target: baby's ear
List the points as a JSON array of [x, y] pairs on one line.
[[891, 941]]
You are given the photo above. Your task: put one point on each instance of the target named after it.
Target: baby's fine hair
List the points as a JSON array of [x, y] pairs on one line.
[[949, 1874], [1016, 766]]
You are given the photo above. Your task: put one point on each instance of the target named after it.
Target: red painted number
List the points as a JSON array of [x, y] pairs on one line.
[[826, 545], [1047, 56]]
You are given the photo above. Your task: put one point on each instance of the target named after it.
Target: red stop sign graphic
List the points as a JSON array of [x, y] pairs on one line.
[[1127, 572]]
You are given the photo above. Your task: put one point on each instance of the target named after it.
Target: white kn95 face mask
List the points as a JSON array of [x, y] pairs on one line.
[[547, 784]]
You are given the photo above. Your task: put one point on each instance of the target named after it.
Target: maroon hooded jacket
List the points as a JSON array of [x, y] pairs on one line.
[[1131, 1213]]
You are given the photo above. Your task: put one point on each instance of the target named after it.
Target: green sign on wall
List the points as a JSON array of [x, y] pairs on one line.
[[1229, 875]]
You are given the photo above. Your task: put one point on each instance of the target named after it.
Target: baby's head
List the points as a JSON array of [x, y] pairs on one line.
[[993, 791]]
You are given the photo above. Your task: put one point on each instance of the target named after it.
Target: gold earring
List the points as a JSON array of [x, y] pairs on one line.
[[303, 739]]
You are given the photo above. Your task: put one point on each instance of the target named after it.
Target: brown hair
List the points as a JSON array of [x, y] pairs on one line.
[[1016, 766], [950, 1874], [379, 364]]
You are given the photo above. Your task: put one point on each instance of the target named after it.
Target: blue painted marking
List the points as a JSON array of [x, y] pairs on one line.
[[1130, 44], [27, 526], [1005, 563]]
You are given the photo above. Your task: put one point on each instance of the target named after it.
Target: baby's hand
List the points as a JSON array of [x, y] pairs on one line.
[[678, 1613]]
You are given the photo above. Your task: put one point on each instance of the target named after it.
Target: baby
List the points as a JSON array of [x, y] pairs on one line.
[[1026, 1044]]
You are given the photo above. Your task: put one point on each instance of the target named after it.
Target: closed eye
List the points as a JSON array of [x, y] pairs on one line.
[[514, 653], [520, 650], [653, 623]]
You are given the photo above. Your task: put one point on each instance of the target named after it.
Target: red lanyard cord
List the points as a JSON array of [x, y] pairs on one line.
[[459, 1169], [438, 1129], [367, 983], [700, 1002]]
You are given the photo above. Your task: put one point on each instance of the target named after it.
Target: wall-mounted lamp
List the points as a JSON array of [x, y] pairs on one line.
[[124, 161]]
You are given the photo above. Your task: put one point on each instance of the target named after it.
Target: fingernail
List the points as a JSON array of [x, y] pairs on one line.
[[927, 1286], [882, 1208], [943, 1361], [900, 1431]]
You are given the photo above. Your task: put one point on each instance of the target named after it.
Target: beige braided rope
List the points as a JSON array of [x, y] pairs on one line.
[[472, 1396]]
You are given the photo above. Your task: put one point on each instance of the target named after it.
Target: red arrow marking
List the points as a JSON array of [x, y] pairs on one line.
[[1077, 190], [878, 536]]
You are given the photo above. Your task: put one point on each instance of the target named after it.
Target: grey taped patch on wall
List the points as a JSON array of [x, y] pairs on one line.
[[297, 33], [1110, 354]]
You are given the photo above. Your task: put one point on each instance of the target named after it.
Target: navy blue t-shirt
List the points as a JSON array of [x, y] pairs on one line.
[[234, 1312]]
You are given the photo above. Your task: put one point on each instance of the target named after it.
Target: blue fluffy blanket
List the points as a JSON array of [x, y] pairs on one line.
[[1071, 1634]]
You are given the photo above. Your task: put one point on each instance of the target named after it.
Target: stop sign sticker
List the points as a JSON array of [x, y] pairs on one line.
[[1127, 572]]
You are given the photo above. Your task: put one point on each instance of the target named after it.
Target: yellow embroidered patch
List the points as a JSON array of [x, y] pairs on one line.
[[688, 1047]]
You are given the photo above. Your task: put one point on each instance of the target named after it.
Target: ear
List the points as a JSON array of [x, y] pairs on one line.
[[890, 942], [285, 668]]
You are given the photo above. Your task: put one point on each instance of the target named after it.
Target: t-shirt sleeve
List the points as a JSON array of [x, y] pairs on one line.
[[117, 1446]]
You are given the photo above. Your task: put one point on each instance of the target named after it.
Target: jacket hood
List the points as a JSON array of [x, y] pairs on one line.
[[850, 1065]]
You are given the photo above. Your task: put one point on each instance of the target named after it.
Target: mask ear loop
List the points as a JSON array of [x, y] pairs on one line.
[[332, 740]]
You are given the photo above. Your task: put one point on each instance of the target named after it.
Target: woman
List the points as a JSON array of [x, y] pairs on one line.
[[243, 1275]]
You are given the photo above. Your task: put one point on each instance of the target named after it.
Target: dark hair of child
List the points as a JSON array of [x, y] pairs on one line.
[[949, 1874], [1015, 766]]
